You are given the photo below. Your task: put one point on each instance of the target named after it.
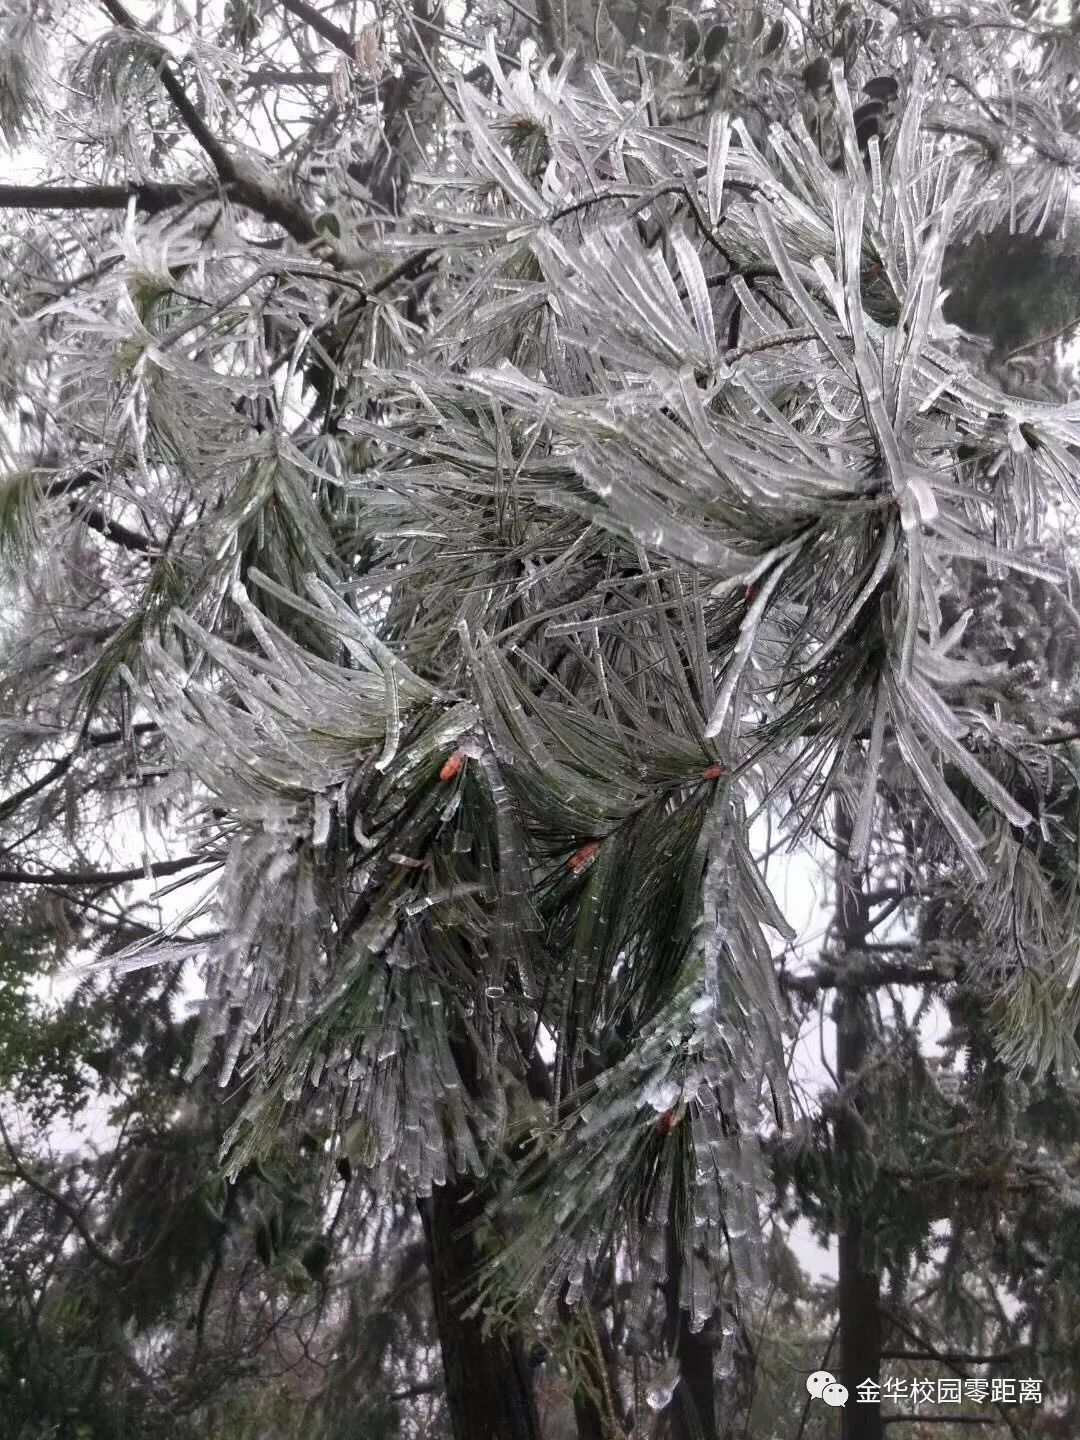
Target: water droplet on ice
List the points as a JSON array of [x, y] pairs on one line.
[[658, 1397], [494, 992], [662, 1095]]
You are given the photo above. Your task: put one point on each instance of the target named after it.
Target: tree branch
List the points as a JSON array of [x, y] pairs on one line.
[[201, 133], [422, 1387], [809, 1399], [52, 489], [278, 208], [54, 772], [63, 765], [333, 34], [871, 977], [117, 533], [766, 342], [949, 1357], [1065, 739], [268, 75], [104, 877], [64, 1205], [150, 197], [110, 737], [915, 1417]]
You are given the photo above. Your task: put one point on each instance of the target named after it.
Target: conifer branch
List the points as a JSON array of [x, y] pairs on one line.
[[278, 208], [200, 132], [66, 1208]]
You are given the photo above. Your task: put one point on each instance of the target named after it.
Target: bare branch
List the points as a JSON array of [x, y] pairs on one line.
[[950, 1357], [333, 34], [117, 533], [104, 877], [422, 1387], [863, 977], [918, 1418], [149, 197], [54, 773]]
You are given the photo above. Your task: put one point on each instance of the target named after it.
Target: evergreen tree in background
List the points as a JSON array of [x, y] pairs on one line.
[[475, 482], [144, 1293]]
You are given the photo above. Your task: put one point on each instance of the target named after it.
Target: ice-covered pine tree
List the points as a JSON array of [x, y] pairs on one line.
[[478, 492]]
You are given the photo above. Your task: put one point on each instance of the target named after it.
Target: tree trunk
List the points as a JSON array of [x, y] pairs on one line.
[[588, 1417], [693, 1406], [858, 1289], [489, 1390], [860, 1333], [694, 1416], [590, 1384]]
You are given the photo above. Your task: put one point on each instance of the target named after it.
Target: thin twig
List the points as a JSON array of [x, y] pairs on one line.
[[766, 342]]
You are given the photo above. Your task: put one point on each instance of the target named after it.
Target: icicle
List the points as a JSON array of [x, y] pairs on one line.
[[661, 1388], [575, 1283], [702, 1297], [719, 142], [320, 830], [725, 1367], [393, 720]]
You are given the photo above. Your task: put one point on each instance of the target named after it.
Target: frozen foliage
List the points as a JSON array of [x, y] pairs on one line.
[[486, 633]]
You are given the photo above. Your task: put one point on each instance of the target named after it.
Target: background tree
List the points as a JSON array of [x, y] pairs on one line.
[[146, 1293], [463, 565]]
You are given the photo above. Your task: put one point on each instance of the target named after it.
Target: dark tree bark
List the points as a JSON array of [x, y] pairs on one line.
[[489, 1388], [693, 1406], [860, 1331], [589, 1418], [694, 1413], [858, 1291]]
